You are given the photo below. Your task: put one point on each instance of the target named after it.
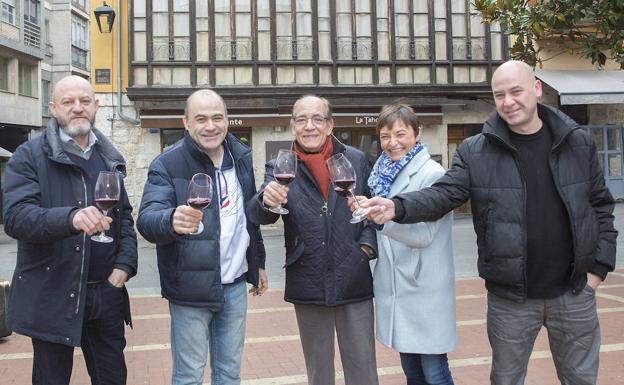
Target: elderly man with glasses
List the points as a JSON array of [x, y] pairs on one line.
[[328, 276]]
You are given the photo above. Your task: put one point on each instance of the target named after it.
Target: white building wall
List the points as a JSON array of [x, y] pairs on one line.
[[16, 108]]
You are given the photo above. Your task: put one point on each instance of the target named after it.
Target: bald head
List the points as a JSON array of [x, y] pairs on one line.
[[71, 82], [327, 110], [516, 94], [203, 94], [514, 68]]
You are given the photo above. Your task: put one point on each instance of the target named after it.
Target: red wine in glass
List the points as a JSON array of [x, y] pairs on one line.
[[284, 179], [106, 196], [199, 195], [106, 204], [343, 175], [342, 192], [284, 172], [199, 203], [345, 184]]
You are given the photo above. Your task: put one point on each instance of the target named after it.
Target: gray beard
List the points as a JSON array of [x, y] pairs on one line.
[[81, 130]]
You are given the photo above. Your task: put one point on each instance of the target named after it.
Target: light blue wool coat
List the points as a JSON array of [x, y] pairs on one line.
[[414, 276]]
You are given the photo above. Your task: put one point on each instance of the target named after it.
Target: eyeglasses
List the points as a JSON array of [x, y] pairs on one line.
[[317, 121]]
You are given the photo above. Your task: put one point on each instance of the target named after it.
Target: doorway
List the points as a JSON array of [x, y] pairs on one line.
[[364, 139], [609, 145]]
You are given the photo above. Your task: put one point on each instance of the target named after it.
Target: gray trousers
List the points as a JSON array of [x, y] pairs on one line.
[[573, 334], [353, 325]]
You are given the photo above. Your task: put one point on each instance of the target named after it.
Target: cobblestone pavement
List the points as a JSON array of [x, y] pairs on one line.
[[273, 353]]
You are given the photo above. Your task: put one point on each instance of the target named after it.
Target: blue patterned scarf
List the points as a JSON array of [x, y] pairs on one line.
[[385, 171]]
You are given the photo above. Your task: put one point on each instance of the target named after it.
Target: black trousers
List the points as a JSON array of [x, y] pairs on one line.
[[102, 343]]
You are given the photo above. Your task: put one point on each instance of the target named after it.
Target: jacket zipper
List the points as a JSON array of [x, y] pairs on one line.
[[572, 230], [84, 242], [525, 257]]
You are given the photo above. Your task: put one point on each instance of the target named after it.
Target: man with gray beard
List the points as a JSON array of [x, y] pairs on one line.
[[68, 290]]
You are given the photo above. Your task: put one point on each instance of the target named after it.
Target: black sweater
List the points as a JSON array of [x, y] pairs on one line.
[[549, 240]]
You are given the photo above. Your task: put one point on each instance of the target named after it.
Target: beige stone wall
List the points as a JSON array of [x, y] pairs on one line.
[[606, 114], [136, 144]]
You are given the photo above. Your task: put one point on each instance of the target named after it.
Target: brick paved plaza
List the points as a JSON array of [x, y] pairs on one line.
[[273, 352]]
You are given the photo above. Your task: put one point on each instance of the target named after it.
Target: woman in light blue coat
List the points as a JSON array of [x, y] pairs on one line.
[[414, 276]]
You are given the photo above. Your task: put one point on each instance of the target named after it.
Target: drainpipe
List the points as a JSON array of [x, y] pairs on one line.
[[120, 112]]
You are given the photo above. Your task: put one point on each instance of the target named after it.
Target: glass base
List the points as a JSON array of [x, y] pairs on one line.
[[102, 238], [359, 215], [200, 229], [278, 210]]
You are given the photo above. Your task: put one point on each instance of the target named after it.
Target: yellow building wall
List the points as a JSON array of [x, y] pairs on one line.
[[104, 47], [556, 58]]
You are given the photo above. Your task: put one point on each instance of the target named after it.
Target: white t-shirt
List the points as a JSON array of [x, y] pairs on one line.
[[234, 239]]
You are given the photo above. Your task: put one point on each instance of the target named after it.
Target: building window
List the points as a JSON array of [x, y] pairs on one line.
[[293, 24], [27, 79], [79, 42], [140, 28], [468, 42], [32, 30], [45, 97], [171, 41], [80, 4], [412, 30], [233, 30], [4, 74], [31, 11], [353, 30], [8, 11]]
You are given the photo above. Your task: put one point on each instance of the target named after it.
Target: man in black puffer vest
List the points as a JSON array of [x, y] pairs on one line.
[[68, 290], [544, 223]]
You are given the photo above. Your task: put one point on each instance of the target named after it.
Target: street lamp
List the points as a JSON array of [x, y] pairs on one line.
[[105, 11]]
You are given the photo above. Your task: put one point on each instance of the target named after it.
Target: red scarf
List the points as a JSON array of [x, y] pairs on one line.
[[315, 162]]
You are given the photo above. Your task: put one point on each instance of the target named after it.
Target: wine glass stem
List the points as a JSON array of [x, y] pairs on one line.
[[103, 232], [355, 199]]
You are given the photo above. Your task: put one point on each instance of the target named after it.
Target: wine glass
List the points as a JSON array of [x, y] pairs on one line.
[[284, 172], [106, 196], [343, 176], [199, 195]]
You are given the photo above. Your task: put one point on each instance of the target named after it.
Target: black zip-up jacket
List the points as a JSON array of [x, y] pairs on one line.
[[189, 265], [485, 169], [324, 262], [42, 190]]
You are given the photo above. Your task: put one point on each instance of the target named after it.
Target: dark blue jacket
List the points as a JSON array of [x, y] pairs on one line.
[[42, 189], [324, 262], [189, 265]]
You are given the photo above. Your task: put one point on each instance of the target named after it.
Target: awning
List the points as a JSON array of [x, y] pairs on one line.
[[5, 153], [585, 86]]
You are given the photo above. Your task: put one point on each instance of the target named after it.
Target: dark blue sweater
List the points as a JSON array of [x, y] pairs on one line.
[[102, 254]]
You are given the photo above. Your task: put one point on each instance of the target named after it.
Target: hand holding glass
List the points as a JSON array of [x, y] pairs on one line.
[[106, 196], [199, 195], [284, 172], [343, 176]]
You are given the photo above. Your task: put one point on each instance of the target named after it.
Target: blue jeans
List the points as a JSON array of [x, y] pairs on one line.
[[194, 330], [426, 369]]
